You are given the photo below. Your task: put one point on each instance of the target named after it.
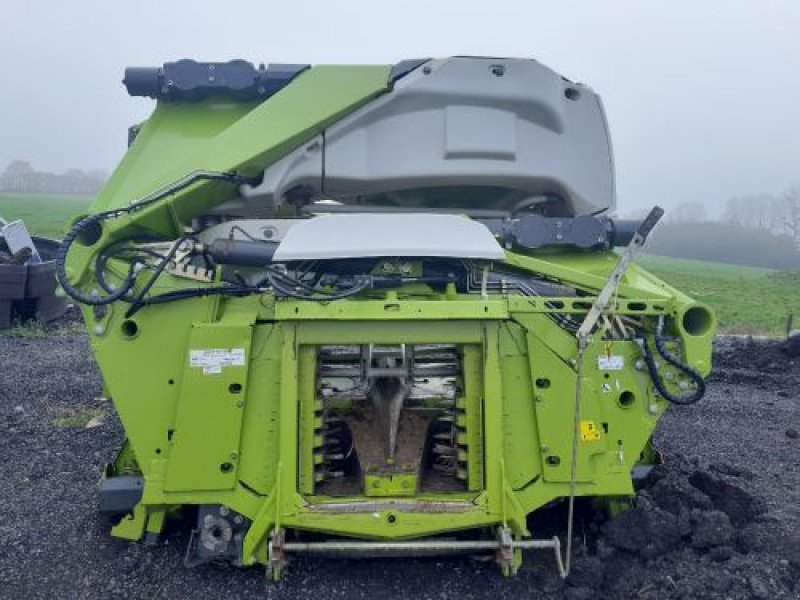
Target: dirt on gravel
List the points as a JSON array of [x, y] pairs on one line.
[[719, 519]]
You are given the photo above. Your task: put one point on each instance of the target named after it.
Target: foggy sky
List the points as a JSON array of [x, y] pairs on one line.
[[702, 98]]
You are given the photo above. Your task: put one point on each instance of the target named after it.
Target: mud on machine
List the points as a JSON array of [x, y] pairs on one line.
[[373, 310]]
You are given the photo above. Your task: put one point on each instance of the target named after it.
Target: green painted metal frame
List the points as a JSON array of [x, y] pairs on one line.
[[236, 437]]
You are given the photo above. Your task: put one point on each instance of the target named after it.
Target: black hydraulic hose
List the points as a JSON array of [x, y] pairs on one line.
[[697, 378], [61, 271], [136, 302], [197, 293], [94, 220], [321, 296], [110, 252]]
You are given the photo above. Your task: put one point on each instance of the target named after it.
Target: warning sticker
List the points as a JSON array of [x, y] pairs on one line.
[[589, 431], [213, 360], [610, 363]]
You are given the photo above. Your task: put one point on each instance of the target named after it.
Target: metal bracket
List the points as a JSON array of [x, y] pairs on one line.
[[276, 555]]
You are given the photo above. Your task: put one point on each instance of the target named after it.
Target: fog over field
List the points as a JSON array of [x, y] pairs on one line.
[[701, 97]]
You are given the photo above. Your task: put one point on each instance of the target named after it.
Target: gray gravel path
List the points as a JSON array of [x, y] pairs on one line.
[[720, 519]]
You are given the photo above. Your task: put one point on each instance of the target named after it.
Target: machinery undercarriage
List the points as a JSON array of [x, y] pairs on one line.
[[373, 311]]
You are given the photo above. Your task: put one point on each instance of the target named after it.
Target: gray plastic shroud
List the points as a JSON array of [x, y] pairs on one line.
[[506, 124], [401, 235]]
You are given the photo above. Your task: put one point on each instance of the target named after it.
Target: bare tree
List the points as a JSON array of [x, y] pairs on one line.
[[760, 211], [16, 177], [688, 211], [790, 204]]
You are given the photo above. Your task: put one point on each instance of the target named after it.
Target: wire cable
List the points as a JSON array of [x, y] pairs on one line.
[[678, 399]]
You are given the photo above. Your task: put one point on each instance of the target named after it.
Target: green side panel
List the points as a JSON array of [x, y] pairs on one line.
[[520, 435], [205, 444], [554, 382], [470, 416], [173, 132], [261, 426], [310, 407]]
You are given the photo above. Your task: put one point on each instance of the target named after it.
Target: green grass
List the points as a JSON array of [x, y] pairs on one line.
[[46, 216], [748, 300], [33, 329], [79, 418]]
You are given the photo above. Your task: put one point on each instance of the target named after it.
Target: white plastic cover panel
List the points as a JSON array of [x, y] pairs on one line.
[[371, 235]]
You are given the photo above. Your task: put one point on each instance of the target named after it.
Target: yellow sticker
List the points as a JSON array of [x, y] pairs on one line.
[[589, 431]]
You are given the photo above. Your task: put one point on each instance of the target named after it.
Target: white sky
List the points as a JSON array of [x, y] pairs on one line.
[[702, 97]]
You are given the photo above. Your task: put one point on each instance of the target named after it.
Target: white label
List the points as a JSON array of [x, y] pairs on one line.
[[610, 363], [213, 360]]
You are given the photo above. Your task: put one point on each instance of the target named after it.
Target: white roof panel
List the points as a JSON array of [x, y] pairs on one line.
[[387, 235]]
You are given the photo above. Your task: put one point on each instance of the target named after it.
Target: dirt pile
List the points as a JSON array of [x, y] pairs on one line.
[[693, 533]]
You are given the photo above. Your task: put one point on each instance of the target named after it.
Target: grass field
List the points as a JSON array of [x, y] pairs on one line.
[[47, 216], [746, 299]]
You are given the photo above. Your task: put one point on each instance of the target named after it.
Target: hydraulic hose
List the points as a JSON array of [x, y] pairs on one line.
[[61, 271], [96, 219], [652, 369], [283, 289]]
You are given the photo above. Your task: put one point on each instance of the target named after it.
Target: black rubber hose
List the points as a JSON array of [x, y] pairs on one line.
[[197, 293], [136, 303], [61, 271], [679, 399], [320, 296], [110, 252], [80, 226]]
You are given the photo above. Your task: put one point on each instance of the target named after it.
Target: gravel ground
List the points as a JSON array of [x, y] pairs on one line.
[[720, 519]]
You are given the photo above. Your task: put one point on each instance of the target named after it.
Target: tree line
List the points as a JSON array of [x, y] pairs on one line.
[[20, 177], [760, 230]]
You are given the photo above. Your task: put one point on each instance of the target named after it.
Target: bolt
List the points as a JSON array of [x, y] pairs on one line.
[[234, 456], [653, 409], [98, 330], [224, 511]]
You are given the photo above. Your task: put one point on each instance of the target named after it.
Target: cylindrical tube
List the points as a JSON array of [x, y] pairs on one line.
[[241, 252]]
